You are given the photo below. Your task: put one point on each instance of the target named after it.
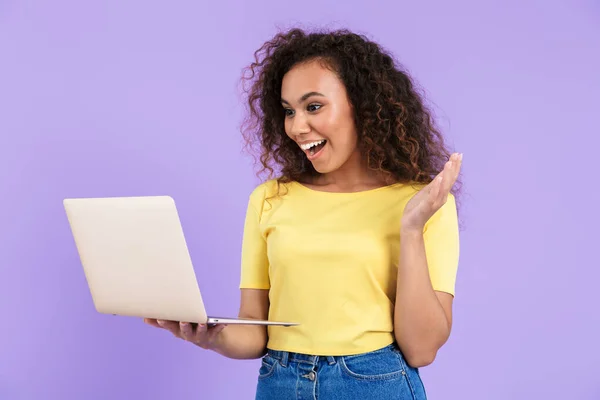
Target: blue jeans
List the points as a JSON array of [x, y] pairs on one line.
[[380, 374]]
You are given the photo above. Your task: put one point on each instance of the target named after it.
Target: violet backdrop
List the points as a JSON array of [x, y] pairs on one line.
[[141, 98]]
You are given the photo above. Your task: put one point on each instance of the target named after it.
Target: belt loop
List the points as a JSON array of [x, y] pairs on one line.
[[331, 360], [284, 358]]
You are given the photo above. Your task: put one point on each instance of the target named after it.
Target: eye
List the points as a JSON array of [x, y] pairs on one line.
[[288, 112], [313, 107]]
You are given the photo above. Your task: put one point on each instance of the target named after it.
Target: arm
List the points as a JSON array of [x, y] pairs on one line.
[[422, 316], [429, 251], [246, 341]]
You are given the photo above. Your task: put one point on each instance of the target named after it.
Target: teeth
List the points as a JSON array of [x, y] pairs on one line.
[[312, 144]]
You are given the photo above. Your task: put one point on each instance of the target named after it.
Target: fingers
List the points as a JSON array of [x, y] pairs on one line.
[[456, 160], [211, 330], [152, 322], [171, 326], [207, 336], [436, 187], [202, 329], [451, 172], [440, 187], [456, 164], [186, 330], [218, 328], [448, 178], [183, 330], [202, 335]]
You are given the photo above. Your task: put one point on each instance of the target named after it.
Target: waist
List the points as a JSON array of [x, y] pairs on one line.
[[328, 343], [285, 357]]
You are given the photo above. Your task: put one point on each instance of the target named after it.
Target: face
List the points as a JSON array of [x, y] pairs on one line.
[[318, 116]]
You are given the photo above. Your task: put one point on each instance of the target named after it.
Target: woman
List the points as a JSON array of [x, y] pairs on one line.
[[356, 240]]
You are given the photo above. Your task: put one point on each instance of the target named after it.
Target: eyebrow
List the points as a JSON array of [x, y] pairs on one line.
[[304, 97]]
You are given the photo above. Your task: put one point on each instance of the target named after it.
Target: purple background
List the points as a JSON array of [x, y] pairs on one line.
[[140, 98]]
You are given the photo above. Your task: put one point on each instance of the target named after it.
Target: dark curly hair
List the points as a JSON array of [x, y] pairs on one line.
[[396, 132]]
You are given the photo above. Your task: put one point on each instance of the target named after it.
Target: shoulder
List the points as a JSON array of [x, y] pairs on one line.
[[264, 190], [264, 193]]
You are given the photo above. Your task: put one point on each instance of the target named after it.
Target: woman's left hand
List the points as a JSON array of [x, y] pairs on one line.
[[432, 197]]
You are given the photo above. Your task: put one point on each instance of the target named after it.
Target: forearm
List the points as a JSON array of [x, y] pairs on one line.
[[420, 323], [242, 341]]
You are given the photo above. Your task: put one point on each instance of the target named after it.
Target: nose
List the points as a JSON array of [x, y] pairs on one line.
[[300, 125]]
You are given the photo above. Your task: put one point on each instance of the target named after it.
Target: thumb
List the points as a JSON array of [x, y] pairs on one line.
[[217, 329]]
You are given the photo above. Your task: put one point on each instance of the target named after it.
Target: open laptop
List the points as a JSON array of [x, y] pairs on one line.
[[136, 261]]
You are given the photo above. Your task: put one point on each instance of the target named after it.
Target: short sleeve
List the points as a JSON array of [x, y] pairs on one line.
[[441, 236], [254, 261]]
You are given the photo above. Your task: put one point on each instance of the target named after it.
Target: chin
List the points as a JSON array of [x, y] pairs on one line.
[[323, 169]]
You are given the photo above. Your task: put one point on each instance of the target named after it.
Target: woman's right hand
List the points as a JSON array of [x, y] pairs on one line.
[[198, 334]]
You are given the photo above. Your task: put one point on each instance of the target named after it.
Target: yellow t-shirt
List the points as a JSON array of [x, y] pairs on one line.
[[330, 263]]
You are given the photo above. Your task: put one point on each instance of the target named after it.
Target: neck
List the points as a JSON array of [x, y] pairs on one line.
[[354, 174]]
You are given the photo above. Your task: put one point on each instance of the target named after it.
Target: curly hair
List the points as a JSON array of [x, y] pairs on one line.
[[396, 132]]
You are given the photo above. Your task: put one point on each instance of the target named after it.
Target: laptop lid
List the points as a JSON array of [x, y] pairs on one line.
[[135, 257]]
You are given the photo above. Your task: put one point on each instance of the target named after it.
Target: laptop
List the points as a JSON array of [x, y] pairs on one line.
[[136, 260]]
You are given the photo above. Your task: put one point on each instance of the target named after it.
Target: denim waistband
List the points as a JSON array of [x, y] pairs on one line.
[[285, 356]]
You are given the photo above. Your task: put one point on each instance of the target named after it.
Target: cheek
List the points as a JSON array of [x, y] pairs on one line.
[[287, 126], [342, 134], [341, 120], [330, 127]]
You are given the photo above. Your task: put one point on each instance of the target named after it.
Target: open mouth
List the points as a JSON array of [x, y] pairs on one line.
[[311, 149]]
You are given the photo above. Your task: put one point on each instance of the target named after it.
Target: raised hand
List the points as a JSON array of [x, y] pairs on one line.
[[432, 197]]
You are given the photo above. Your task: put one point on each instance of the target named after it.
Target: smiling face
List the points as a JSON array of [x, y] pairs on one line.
[[319, 117]]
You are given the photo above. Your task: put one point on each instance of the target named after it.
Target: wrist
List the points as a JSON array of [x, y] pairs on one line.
[[410, 231]]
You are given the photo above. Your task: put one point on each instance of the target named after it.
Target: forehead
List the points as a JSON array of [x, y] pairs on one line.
[[310, 77]]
